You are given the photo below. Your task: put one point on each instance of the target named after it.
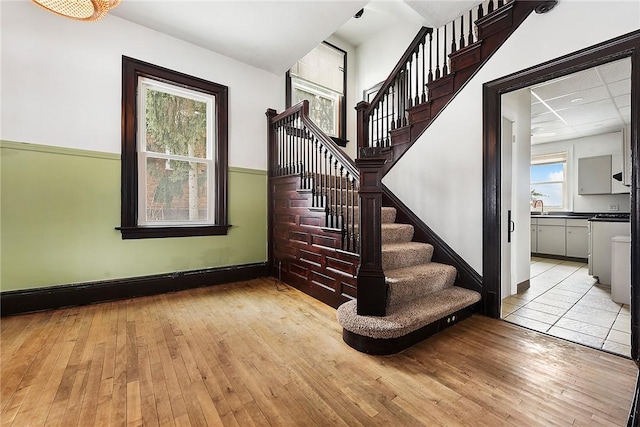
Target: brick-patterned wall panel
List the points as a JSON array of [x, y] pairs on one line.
[[304, 254]]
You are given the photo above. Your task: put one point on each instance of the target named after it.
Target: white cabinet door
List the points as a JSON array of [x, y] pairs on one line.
[[551, 239], [534, 239], [577, 242], [594, 175]]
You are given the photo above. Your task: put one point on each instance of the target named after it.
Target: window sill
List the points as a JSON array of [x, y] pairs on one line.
[[340, 141], [162, 232]]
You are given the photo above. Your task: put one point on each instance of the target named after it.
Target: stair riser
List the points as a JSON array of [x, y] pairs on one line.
[[419, 286], [405, 258], [394, 235]]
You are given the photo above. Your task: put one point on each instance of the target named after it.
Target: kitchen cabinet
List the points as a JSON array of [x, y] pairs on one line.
[[618, 187], [534, 236], [577, 238], [551, 237], [594, 175]]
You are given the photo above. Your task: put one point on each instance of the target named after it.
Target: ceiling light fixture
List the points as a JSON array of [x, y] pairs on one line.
[[577, 99], [80, 10]]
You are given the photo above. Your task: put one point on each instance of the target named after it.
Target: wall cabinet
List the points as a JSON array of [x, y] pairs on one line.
[[594, 175]]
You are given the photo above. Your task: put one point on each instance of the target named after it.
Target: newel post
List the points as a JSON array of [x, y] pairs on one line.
[[372, 287], [362, 127], [271, 140]]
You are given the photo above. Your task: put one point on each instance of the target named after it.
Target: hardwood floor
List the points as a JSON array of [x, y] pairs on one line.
[[248, 354]]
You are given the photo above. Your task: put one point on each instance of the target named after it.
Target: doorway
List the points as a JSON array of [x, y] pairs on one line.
[[548, 129], [626, 46]]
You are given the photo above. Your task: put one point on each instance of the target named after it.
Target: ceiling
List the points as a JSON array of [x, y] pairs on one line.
[[274, 34], [271, 35], [590, 102]]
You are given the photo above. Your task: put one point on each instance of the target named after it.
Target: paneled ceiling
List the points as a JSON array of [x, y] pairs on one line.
[[590, 102]]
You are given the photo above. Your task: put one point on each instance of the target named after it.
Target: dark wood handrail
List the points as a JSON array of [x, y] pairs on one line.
[[303, 108], [398, 68]]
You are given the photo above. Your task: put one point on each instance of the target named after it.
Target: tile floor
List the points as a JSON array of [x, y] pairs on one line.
[[564, 301]]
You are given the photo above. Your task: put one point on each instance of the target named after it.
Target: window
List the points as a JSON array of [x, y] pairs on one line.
[[319, 78], [174, 154], [549, 179]]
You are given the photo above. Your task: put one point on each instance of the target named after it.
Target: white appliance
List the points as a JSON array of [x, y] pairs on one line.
[[621, 269], [601, 230]]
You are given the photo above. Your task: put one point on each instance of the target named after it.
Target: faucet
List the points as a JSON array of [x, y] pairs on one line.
[[535, 204]]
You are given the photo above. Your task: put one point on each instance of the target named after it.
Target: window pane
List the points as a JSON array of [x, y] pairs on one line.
[[551, 194], [547, 172], [323, 109], [175, 124], [176, 191]]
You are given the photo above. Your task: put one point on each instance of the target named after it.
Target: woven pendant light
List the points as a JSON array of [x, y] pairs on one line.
[[81, 10]]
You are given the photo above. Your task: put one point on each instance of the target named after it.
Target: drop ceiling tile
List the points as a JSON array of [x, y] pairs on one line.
[[596, 111], [623, 100], [568, 85], [625, 112], [602, 126], [588, 95], [538, 108], [543, 118], [621, 87], [615, 71]]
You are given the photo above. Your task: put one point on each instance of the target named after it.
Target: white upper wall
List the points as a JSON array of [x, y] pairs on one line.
[[440, 177], [61, 82], [376, 57]]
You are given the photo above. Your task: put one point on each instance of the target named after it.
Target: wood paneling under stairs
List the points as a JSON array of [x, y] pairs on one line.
[[262, 353]]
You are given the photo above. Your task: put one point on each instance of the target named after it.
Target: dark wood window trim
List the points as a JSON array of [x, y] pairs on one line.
[[132, 69], [341, 140]]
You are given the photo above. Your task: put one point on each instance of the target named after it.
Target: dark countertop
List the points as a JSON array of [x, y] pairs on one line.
[[594, 219], [564, 216]]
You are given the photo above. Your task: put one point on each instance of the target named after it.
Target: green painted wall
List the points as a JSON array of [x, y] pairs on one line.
[[59, 208]]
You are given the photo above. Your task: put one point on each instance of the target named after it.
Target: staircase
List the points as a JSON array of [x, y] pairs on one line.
[[329, 234], [421, 296]]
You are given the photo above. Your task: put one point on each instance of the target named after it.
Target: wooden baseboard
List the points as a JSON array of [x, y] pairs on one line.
[[523, 286], [30, 300], [386, 346], [562, 257]]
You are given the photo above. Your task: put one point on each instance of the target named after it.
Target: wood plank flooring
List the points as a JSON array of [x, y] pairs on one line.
[[252, 353]]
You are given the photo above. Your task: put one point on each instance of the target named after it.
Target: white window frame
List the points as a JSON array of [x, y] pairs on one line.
[[554, 158], [144, 84]]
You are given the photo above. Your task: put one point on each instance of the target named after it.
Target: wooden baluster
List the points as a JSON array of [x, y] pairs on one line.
[[417, 92], [324, 180], [480, 11], [386, 119], [461, 31], [296, 149], [283, 146], [316, 173], [470, 27], [341, 204], [409, 65], [437, 53], [424, 68], [392, 88], [334, 205], [500, 3], [490, 6], [378, 123], [353, 215], [430, 77], [453, 36], [404, 98], [445, 68], [332, 201]]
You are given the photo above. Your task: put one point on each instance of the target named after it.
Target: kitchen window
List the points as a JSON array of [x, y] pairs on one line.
[[548, 180], [174, 154]]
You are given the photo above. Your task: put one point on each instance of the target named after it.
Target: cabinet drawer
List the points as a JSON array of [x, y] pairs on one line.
[[551, 221], [577, 223]]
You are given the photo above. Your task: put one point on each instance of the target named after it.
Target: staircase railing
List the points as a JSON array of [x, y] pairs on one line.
[[298, 147], [412, 81]]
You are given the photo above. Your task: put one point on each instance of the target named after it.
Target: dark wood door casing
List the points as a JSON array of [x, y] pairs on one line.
[[621, 47]]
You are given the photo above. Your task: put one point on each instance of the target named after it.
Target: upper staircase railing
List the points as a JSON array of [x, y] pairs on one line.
[[414, 80], [297, 146]]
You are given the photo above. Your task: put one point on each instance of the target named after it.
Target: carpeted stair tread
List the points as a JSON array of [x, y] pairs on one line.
[[408, 283], [396, 233], [408, 317], [388, 214], [399, 255]]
